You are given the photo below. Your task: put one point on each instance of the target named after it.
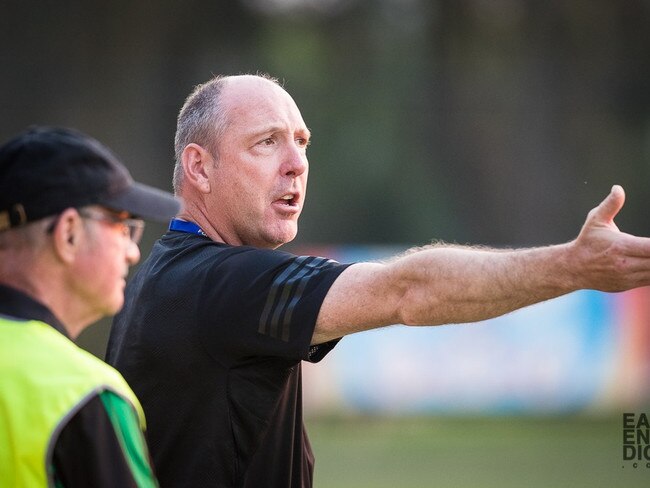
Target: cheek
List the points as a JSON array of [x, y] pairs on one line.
[[236, 191], [113, 286], [252, 195], [110, 264]]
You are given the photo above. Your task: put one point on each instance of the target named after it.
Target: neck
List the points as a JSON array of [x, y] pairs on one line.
[[56, 298], [196, 214]]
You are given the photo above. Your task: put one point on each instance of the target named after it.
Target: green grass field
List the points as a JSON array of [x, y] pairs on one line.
[[503, 452]]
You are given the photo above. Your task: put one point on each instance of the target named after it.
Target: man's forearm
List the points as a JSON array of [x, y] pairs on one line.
[[443, 284]]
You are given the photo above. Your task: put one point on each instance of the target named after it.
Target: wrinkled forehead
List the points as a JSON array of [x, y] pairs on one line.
[[253, 101]]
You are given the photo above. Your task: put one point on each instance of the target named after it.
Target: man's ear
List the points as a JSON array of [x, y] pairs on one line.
[[196, 163], [67, 235]]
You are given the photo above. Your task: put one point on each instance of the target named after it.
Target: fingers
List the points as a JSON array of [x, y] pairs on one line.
[[610, 206], [631, 273], [633, 246]]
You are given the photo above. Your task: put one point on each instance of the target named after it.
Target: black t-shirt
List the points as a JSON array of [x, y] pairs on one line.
[[210, 339]]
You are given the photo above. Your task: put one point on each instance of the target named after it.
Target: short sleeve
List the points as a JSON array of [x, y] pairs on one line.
[[265, 303]]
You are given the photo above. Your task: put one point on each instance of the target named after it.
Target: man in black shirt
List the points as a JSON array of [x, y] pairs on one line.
[[217, 321]]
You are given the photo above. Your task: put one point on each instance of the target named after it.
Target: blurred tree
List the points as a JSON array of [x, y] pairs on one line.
[[528, 124]]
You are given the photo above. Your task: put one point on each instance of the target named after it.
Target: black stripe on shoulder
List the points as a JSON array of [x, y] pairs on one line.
[[285, 293]]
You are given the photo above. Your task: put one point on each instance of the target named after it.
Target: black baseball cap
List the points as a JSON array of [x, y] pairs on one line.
[[45, 170]]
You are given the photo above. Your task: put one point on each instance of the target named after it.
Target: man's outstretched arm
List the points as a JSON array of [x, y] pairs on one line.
[[442, 284]]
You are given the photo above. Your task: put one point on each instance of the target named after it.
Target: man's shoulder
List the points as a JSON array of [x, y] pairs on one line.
[[178, 259]]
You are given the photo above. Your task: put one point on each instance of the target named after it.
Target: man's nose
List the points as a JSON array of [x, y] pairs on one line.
[[295, 162], [132, 253]]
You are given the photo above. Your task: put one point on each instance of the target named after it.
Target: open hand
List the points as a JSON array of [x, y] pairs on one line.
[[606, 258]]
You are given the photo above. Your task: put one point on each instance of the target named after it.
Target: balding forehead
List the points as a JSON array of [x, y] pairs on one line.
[[238, 83], [251, 94]]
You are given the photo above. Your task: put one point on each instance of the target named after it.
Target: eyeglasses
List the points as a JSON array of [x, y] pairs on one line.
[[131, 228]]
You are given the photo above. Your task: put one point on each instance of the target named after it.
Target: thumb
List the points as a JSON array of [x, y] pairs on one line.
[[610, 206]]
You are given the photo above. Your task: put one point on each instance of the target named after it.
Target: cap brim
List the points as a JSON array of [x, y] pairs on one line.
[[145, 202]]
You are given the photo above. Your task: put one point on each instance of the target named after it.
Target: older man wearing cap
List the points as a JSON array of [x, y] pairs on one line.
[[69, 229]]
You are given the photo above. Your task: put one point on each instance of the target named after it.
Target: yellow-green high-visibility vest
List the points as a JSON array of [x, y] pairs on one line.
[[44, 380]]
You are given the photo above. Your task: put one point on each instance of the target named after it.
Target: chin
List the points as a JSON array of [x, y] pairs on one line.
[[280, 236], [115, 307], [287, 238]]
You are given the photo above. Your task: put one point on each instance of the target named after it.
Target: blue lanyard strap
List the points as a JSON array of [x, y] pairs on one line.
[[185, 226]]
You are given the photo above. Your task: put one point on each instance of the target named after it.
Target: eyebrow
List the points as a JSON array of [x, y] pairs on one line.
[[272, 129]]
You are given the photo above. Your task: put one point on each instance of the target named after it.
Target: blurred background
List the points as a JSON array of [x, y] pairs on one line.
[[495, 122]]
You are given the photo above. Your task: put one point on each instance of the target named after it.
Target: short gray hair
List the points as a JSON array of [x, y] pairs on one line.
[[202, 121], [29, 236]]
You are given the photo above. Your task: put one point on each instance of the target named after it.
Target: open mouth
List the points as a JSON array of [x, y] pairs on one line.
[[289, 199]]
